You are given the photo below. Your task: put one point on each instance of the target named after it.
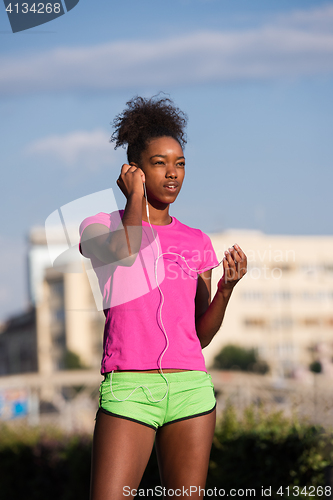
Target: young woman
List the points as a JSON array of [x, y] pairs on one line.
[[155, 276]]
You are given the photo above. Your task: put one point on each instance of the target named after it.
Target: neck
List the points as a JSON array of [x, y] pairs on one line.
[[158, 213]]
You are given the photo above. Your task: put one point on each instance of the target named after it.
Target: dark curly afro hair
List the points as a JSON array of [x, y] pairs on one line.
[[145, 119]]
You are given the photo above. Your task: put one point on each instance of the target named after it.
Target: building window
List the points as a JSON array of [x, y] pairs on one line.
[[321, 295], [284, 266], [310, 321], [252, 295], [255, 322], [281, 295]]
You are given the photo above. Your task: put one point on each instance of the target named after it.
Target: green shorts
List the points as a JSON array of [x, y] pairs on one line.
[[146, 398]]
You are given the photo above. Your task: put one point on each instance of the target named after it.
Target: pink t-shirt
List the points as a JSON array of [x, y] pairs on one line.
[[136, 311]]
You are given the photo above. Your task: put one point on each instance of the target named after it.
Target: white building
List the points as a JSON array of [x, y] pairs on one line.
[[283, 306]]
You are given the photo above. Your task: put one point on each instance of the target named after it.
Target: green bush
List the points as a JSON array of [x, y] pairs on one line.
[[267, 450], [37, 465], [233, 357]]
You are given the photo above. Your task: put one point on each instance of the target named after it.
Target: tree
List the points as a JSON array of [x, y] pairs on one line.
[[72, 361], [316, 367], [233, 357]]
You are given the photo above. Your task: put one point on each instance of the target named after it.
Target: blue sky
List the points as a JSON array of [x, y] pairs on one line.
[[254, 77]]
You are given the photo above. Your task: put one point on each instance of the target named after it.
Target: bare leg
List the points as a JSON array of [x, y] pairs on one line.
[[121, 450], [183, 451]]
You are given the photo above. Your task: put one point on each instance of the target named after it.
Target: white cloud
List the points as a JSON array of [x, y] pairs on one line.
[[295, 45], [90, 150], [318, 19]]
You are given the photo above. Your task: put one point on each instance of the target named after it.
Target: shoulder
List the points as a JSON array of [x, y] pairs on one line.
[[111, 220], [92, 226], [199, 241], [191, 232]]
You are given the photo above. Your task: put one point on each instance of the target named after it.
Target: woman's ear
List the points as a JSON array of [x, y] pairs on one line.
[[134, 164]]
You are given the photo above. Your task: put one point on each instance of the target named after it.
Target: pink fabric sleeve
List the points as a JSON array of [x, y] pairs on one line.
[[209, 259], [111, 221]]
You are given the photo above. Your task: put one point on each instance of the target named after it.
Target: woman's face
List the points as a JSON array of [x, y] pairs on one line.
[[163, 164]]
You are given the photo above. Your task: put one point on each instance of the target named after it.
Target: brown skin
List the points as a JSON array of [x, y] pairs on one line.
[[162, 163], [121, 448]]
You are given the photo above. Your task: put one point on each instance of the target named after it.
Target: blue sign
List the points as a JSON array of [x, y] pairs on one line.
[[13, 403]]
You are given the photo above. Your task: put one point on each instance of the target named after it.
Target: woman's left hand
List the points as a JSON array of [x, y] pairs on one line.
[[235, 266]]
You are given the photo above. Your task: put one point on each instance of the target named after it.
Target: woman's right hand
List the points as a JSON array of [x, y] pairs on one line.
[[130, 180]]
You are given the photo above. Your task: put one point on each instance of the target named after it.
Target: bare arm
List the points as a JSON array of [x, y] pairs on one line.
[[209, 314], [124, 243]]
